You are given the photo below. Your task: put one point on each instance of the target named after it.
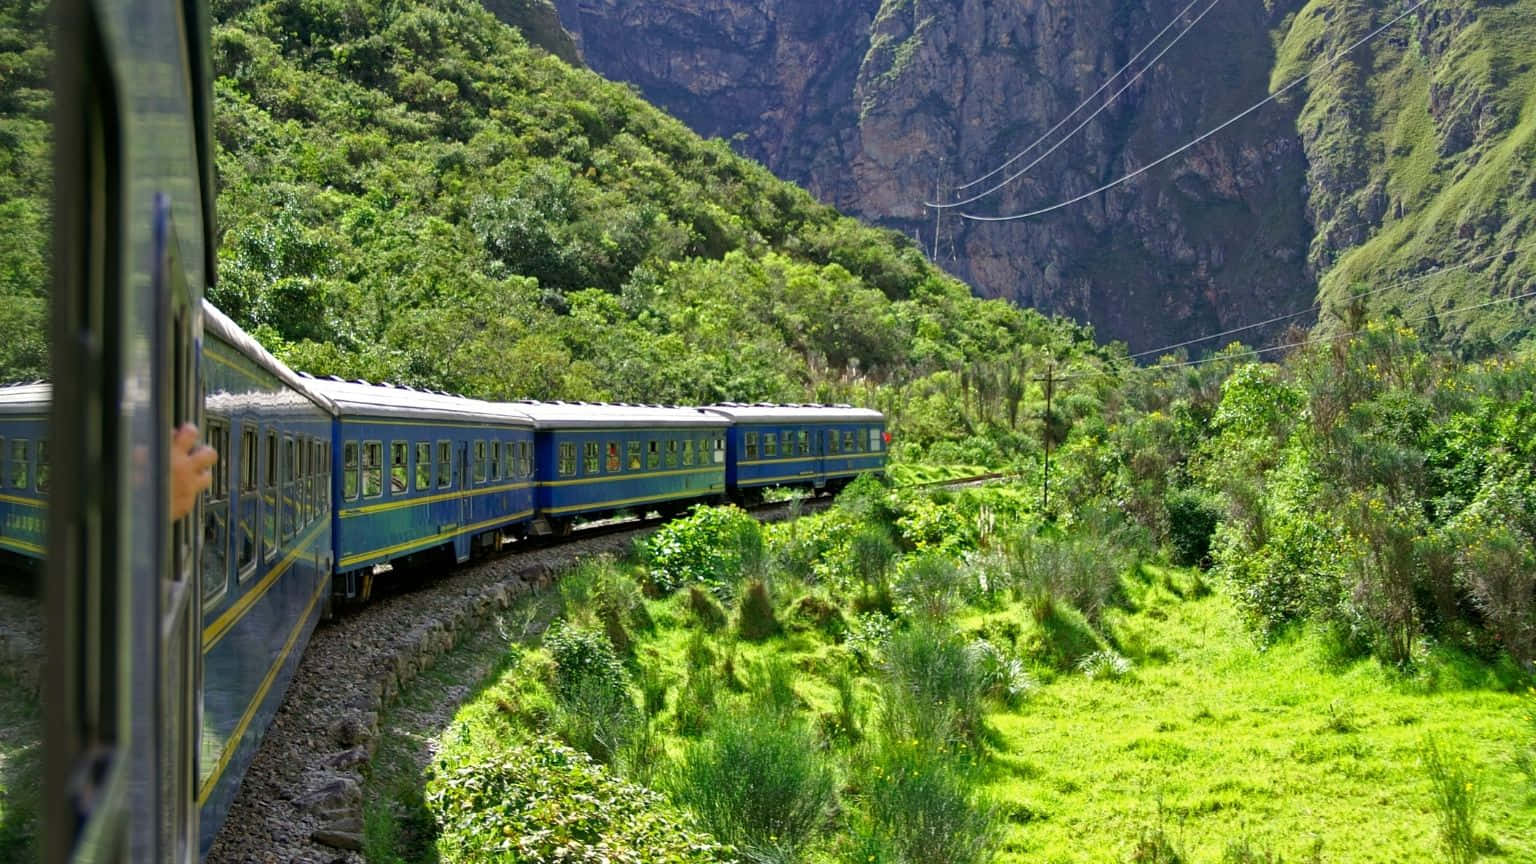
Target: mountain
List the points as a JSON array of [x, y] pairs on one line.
[[1409, 154]]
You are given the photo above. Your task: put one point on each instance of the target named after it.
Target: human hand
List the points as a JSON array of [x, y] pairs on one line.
[[191, 469]]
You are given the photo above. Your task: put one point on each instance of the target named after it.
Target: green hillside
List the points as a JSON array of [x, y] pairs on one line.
[[411, 192]]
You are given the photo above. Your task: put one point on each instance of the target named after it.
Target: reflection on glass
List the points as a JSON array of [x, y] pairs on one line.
[[26, 216]]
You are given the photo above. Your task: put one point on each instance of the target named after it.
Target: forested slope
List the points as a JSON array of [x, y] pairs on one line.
[[411, 192]]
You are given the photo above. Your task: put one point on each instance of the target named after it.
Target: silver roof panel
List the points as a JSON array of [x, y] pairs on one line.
[[601, 415], [796, 413], [218, 323], [385, 401], [26, 398]]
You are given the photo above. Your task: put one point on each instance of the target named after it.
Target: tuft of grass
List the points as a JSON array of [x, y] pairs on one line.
[[705, 608], [755, 619], [933, 689], [920, 807], [1455, 793]]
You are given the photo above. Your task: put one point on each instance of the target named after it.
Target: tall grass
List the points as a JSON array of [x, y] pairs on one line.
[[920, 809], [1455, 793], [758, 781], [933, 689]]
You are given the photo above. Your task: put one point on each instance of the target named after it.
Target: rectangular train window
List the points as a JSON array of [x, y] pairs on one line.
[[672, 453], [42, 465], [423, 465], [688, 450], [702, 445], [850, 441], [245, 551], [314, 479], [399, 473], [750, 449], [634, 456], [525, 457], [614, 463], [803, 444], [495, 463], [875, 440], [444, 464], [480, 461], [373, 469], [831, 441], [270, 498], [653, 455], [325, 484], [20, 458], [306, 476], [3, 472], [509, 460], [567, 464], [770, 445], [591, 461], [720, 450], [216, 519], [290, 500], [349, 485]]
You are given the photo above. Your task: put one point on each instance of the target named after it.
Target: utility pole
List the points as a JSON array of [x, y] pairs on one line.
[[1050, 389], [938, 212]]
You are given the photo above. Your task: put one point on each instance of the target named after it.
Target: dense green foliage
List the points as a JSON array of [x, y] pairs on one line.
[[26, 188]]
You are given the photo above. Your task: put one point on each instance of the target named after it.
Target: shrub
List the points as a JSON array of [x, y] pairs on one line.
[[933, 690], [1244, 852], [758, 782], [919, 808], [1082, 571], [1497, 535], [705, 608], [773, 686], [596, 718], [1455, 793], [1192, 518], [1104, 664], [868, 636], [1002, 677], [703, 548], [755, 619], [872, 552], [929, 583], [544, 803], [1061, 636], [816, 612], [580, 656]]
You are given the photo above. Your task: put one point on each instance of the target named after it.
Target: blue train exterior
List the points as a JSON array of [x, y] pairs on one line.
[[418, 473], [595, 460], [266, 550], [24, 470], [818, 447]]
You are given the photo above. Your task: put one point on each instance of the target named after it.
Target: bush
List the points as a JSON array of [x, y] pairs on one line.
[[544, 803], [930, 583], [705, 608], [1002, 677], [873, 552], [933, 689], [816, 612], [756, 781], [1455, 792], [703, 548], [582, 656], [1497, 537], [1083, 571], [755, 620], [596, 718], [919, 809], [1192, 518], [1104, 664]]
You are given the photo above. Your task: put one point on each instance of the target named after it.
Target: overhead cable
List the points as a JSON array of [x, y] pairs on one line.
[[1092, 96], [1327, 64]]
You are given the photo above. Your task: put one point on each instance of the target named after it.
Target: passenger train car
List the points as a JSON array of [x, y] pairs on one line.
[[812, 446], [24, 468]]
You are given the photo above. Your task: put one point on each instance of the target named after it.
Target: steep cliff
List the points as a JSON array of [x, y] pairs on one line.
[[1409, 155]]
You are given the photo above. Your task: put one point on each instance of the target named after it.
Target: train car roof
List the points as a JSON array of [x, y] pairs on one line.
[[25, 398], [765, 413], [609, 415], [221, 325], [360, 398]]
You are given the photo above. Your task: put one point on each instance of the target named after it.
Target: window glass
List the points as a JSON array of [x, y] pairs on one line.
[[567, 462], [42, 465], [875, 440], [720, 450], [704, 448], [349, 484], [495, 461], [325, 474], [216, 518], [270, 496], [614, 464], [444, 469], [423, 465], [373, 469], [849, 441], [399, 470], [634, 455], [672, 453], [652, 455], [770, 445], [831, 441], [688, 449], [805, 443], [271, 472], [750, 440], [479, 461], [246, 550], [526, 449], [590, 463], [21, 455], [306, 477]]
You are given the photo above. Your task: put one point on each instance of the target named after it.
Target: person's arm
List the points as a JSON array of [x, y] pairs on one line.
[[191, 469]]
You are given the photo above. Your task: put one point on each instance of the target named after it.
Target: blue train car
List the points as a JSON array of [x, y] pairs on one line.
[[266, 549], [595, 460], [420, 473], [813, 446], [24, 470]]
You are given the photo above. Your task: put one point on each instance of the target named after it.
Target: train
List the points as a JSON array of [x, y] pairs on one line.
[[168, 644]]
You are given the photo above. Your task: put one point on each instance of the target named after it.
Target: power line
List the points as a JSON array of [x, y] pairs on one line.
[[1079, 127], [1085, 103], [1317, 307], [1328, 64]]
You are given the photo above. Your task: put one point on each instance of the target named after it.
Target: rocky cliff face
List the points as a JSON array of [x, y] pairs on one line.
[[875, 105]]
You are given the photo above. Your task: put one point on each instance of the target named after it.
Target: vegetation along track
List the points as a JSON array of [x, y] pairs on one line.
[[301, 800]]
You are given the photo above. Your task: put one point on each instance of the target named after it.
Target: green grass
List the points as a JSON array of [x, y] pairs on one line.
[[917, 475], [20, 769], [1282, 747]]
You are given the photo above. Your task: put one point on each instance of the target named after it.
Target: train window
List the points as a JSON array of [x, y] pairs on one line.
[[509, 460], [653, 455], [688, 449], [42, 465], [216, 519], [349, 485], [831, 441], [720, 450], [479, 461], [875, 440], [290, 508], [591, 461], [567, 464], [444, 468], [20, 458], [373, 469], [750, 450], [314, 479], [704, 448], [614, 463], [770, 445], [525, 458], [672, 453], [3, 472], [423, 465], [634, 455], [306, 467], [495, 461], [399, 473], [850, 441], [803, 445], [325, 485]]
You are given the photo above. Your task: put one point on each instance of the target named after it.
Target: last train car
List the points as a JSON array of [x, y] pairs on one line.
[[266, 549], [595, 460], [818, 447], [24, 471], [420, 474]]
